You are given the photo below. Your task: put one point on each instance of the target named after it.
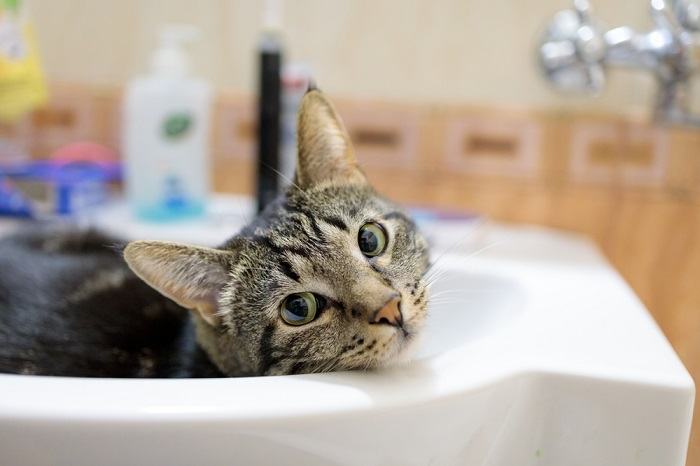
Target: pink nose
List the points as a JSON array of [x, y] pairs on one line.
[[390, 313]]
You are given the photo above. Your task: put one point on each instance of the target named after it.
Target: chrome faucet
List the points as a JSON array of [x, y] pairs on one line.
[[577, 50]]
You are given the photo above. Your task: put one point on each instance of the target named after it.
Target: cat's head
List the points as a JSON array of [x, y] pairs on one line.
[[329, 277]]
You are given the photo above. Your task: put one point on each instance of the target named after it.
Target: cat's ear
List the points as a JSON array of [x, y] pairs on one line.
[[325, 153], [191, 276]]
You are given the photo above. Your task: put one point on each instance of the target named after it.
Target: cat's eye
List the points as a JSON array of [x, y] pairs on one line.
[[301, 308], [371, 239]]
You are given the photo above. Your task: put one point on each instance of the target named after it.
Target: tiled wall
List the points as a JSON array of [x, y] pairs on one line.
[[408, 50], [501, 145]]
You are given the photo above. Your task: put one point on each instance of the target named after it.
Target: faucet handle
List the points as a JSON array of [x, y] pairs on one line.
[[583, 10], [666, 17], [573, 50], [688, 14]]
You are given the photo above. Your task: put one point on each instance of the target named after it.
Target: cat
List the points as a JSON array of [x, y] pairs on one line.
[[330, 276]]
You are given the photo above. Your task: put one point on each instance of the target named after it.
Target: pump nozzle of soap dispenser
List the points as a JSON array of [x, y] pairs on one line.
[[170, 57]]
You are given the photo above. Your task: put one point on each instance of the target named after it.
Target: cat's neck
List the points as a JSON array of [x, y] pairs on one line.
[[221, 349]]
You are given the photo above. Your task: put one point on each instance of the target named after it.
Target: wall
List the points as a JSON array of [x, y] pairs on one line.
[[450, 51]]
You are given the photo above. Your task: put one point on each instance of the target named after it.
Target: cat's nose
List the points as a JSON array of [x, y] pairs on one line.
[[389, 313]]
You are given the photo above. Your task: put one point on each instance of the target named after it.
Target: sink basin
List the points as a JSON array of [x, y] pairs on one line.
[[536, 352]]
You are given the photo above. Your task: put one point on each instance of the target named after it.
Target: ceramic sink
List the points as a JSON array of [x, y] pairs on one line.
[[536, 352]]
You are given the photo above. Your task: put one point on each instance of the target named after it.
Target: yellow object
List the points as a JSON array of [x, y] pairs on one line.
[[22, 86]]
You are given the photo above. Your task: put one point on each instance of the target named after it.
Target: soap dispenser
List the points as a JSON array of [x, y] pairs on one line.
[[165, 126]]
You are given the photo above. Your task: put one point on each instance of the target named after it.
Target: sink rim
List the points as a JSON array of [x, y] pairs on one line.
[[349, 389], [248, 398]]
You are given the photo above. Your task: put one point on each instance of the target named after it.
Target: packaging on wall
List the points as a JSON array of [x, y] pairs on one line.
[[22, 86]]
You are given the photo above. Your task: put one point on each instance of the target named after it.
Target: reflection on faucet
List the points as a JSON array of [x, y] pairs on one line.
[[576, 51]]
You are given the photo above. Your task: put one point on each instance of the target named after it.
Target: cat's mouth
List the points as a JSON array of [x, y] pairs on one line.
[[405, 334], [408, 334], [404, 343]]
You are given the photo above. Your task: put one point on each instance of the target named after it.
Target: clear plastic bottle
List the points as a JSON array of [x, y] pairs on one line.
[[165, 126]]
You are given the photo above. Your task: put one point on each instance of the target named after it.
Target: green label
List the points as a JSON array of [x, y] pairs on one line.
[[177, 125]]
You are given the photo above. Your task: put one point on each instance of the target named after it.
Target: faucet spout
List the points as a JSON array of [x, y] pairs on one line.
[[576, 53]]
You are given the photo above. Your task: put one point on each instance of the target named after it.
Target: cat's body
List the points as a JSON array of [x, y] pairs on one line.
[[69, 305], [328, 277]]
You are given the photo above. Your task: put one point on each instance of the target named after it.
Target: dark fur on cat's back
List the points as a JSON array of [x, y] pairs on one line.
[[70, 304]]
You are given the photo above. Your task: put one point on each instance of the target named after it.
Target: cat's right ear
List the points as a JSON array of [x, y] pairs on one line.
[[191, 276], [325, 153]]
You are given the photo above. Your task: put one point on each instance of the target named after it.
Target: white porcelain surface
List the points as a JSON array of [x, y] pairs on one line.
[[542, 356]]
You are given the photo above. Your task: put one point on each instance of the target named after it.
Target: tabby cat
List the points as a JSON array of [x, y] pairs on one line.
[[328, 277]]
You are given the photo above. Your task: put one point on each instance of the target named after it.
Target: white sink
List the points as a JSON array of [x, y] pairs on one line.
[[539, 354]]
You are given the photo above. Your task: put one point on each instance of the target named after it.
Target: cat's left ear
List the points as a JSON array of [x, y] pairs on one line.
[[325, 153], [191, 276]]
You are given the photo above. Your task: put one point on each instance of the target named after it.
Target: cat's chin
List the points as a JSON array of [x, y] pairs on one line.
[[410, 346], [402, 355], [407, 346], [402, 348]]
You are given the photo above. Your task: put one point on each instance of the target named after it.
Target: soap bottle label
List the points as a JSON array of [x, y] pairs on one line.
[[177, 125]]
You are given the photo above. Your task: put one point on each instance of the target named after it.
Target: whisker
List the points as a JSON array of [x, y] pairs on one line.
[[432, 279], [486, 248], [451, 295], [459, 242], [436, 276], [464, 290], [448, 302], [286, 178]]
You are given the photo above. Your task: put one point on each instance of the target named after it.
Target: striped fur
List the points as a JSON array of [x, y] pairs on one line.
[[309, 243]]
